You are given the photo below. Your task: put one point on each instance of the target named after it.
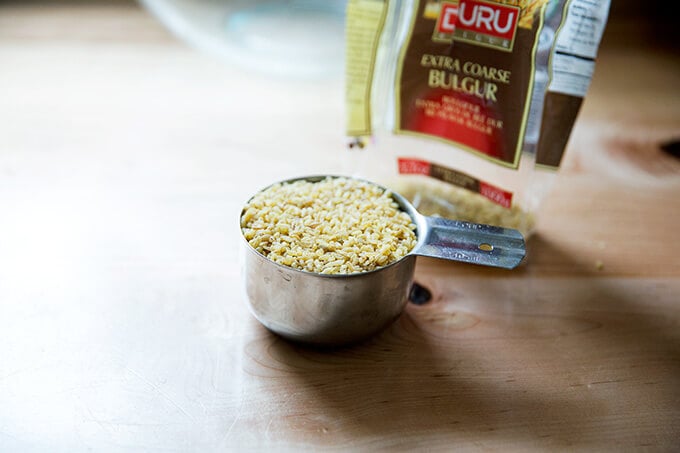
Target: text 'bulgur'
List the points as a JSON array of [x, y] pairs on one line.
[[333, 226]]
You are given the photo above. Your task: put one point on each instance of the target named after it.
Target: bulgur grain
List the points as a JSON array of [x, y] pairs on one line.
[[333, 226], [438, 199]]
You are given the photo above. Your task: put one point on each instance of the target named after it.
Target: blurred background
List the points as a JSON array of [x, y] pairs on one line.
[[302, 38]]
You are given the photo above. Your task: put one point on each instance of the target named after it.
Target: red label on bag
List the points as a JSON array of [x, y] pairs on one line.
[[446, 22], [413, 167], [410, 166], [495, 194], [493, 20]]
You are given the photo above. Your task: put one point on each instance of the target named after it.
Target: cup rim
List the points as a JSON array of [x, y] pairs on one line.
[[411, 211]]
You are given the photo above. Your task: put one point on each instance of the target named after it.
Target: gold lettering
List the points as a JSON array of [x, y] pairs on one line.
[[486, 72], [490, 93], [438, 78], [440, 62]]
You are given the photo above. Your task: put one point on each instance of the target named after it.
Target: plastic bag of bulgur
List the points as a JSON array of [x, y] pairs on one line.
[[465, 106]]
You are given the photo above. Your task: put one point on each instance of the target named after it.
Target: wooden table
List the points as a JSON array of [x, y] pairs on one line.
[[124, 159]]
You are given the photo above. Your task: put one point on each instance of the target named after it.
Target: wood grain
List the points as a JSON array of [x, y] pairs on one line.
[[495, 371]]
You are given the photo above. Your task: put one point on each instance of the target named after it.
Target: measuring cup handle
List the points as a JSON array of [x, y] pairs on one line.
[[471, 243]]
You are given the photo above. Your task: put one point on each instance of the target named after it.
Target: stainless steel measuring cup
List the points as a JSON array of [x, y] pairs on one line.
[[338, 309]]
